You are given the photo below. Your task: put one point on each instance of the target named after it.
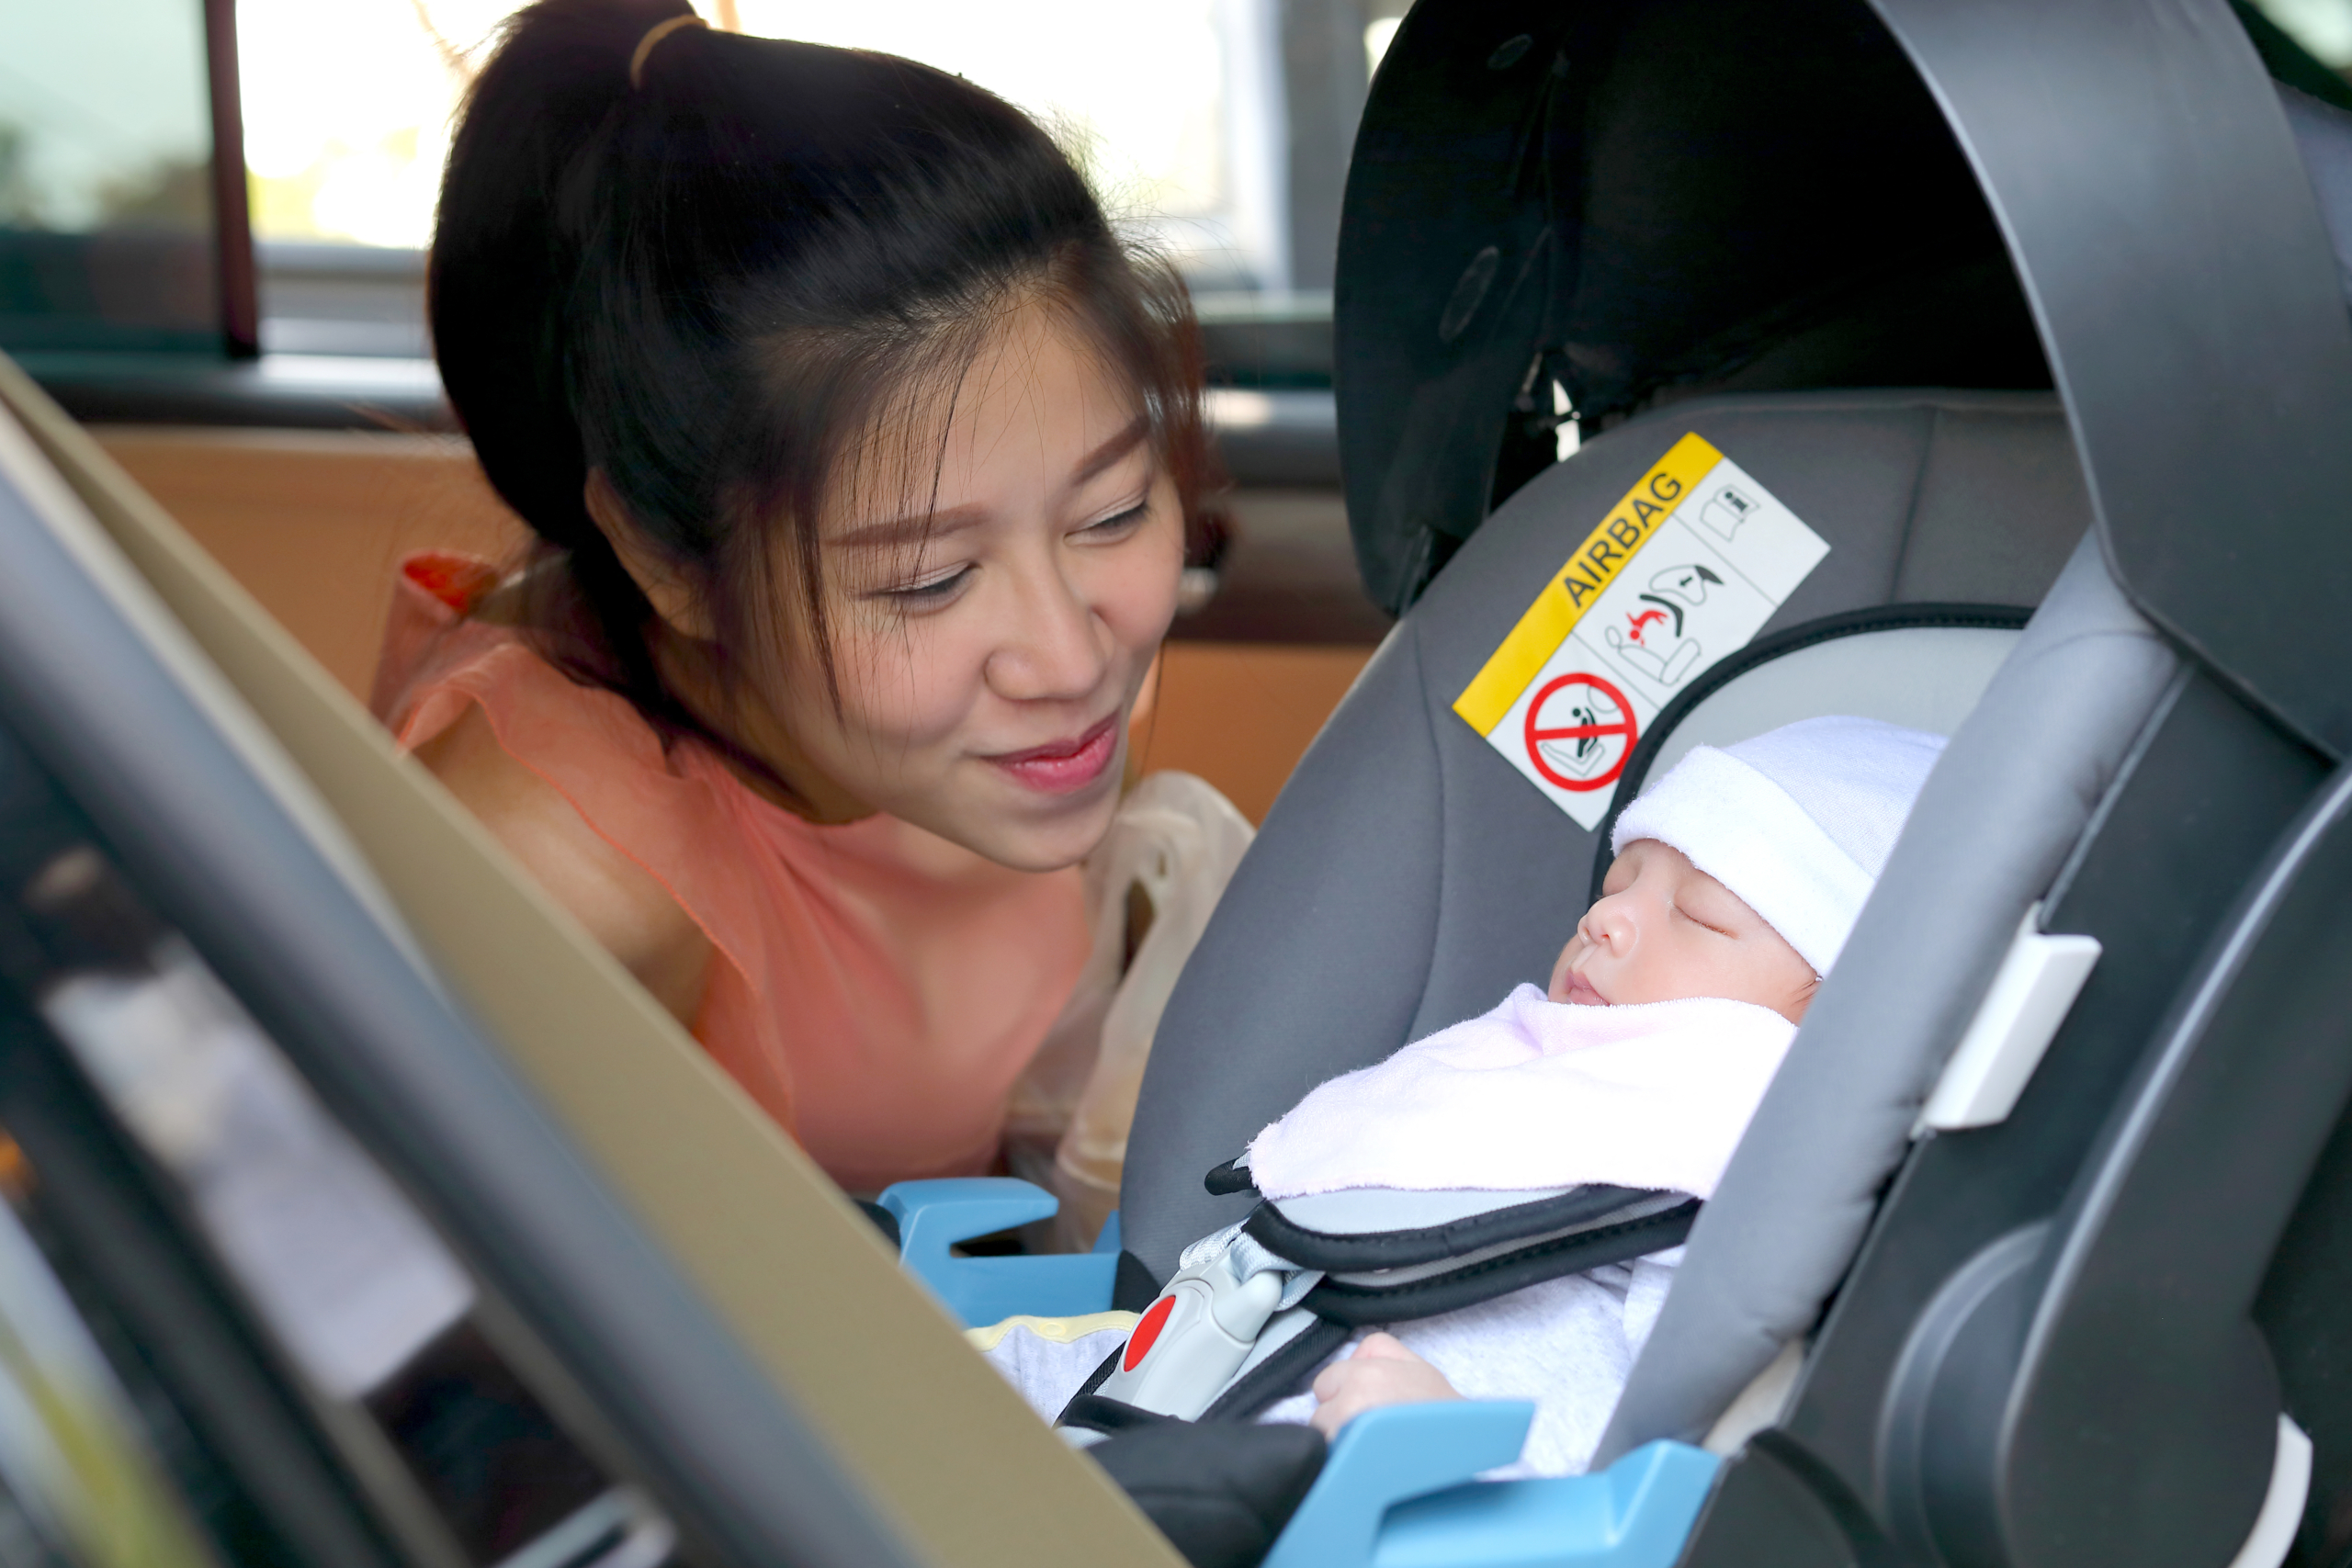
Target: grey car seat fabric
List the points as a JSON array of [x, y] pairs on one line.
[[2011, 795], [1408, 876], [2324, 136]]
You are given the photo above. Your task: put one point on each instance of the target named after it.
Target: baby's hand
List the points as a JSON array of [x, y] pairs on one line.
[[1381, 1371]]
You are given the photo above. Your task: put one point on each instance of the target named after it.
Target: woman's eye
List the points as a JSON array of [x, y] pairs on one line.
[[931, 590], [1118, 520]]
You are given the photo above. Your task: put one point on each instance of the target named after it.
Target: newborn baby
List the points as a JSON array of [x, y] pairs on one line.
[[1738, 877]]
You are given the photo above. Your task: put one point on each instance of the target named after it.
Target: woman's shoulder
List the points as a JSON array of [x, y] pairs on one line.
[[568, 777], [587, 865], [442, 657], [429, 627]]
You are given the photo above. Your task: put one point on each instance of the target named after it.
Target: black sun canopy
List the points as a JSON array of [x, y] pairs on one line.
[[1641, 199]]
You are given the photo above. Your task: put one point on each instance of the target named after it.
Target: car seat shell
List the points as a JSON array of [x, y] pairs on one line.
[[2172, 248]]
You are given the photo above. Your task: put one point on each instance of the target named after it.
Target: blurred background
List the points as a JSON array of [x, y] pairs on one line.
[[212, 215], [246, 332], [1219, 127]]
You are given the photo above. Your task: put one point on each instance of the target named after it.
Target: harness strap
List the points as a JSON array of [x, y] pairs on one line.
[[1283, 1374], [1256, 1308], [1591, 1209], [1360, 1303]]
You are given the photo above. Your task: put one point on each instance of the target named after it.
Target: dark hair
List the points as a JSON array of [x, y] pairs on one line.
[[708, 285]]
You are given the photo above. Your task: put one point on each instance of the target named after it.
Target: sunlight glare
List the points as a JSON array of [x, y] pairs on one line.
[[342, 154]]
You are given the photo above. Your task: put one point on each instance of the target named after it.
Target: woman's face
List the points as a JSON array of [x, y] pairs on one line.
[[991, 636]]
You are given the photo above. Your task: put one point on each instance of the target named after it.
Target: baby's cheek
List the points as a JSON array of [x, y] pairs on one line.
[[1558, 986]]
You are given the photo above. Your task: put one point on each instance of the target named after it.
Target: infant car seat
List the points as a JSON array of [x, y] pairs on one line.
[[1991, 1279]]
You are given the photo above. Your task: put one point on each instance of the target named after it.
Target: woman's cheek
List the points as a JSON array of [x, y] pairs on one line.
[[1137, 595], [906, 690]]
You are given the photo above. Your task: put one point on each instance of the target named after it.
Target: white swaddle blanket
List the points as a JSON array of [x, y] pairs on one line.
[[1534, 1094], [1538, 1094]]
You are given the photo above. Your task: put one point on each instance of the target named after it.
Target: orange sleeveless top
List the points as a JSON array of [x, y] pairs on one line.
[[875, 988]]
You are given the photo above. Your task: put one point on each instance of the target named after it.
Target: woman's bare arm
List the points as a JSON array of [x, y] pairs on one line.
[[624, 908]]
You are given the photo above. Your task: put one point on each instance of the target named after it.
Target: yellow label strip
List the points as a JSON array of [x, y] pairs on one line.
[[1577, 584]]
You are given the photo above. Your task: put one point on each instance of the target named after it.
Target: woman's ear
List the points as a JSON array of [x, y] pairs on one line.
[[679, 604]]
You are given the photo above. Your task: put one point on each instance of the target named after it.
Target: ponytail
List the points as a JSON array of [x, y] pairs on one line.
[[495, 279]]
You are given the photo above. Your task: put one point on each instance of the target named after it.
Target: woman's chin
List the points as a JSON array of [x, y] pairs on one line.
[[1050, 847], [1039, 835]]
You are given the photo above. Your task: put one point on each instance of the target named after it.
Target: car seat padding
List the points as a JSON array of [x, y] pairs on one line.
[[1220, 1345]]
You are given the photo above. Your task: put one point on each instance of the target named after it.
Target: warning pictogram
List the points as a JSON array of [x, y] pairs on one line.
[[1652, 599], [1580, 729]]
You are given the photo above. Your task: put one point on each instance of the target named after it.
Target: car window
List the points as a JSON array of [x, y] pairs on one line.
[[1219, 129], [105, 204], [1175, 108], [2322, 26]]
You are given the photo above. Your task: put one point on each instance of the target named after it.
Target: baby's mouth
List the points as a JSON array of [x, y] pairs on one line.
[[1580, 994]]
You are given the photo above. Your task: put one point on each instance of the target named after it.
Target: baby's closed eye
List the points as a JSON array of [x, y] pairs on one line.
[[1716, 910]]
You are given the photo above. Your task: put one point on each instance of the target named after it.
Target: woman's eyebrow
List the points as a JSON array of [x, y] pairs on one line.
[[1111, 451], [918, 526], [913, 529]]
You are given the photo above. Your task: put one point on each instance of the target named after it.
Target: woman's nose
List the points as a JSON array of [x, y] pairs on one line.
[[1059, 648]]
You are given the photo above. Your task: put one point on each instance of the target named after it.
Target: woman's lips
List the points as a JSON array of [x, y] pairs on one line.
[[1065, 766]]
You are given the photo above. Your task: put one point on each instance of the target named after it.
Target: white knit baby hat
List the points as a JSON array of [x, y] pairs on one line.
[[1797, 822]]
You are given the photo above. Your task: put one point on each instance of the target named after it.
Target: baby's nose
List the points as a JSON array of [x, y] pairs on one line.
[[1602, 925]]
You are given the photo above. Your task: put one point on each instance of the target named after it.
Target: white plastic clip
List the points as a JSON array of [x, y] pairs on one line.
[[2028, 998], [2273, 1535], [1190, 1342]]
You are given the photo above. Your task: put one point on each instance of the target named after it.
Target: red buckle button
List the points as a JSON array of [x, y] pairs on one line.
[[1147, 1333]]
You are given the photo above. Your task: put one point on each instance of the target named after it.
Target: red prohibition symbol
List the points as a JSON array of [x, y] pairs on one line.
[[1593, 728]]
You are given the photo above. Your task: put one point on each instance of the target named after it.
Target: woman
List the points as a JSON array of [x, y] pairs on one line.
[[862, 459]]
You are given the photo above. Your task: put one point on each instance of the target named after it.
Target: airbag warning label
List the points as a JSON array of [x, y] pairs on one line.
[[1685, 569]]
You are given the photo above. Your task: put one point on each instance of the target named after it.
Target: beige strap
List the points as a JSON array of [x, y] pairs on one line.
[[653, 36]]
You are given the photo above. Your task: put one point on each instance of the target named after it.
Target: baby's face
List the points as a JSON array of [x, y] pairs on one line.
[[1664, 930]]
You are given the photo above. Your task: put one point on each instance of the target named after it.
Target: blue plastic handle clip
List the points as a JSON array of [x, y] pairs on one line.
[[934, 1215], [1393, 1495]]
